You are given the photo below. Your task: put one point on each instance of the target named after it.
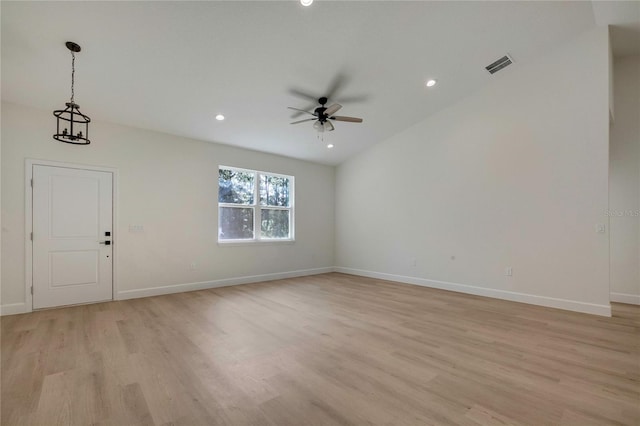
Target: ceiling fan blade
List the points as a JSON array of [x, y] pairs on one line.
[[356, 98], [301, 110], [349, 119], [302, 121], [332, 109], [328, 126], [303, 95], [338, 81], [297, 114]]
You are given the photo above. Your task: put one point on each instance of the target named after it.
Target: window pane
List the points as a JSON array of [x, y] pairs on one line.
[[235, 187], [274, 191], [275, 223], [235, 223]]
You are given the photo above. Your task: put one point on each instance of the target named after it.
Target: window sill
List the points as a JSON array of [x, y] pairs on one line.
[[236, 243]]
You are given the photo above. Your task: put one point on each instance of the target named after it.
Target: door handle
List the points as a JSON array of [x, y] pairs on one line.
[[106, 243]]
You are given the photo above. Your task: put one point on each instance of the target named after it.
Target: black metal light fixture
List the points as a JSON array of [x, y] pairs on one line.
[[77, 131]]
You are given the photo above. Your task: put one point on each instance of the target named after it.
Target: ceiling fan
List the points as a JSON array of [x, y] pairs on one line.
[[322, 116]]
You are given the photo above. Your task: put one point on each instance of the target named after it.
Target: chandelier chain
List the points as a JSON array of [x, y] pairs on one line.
[[73, 72]]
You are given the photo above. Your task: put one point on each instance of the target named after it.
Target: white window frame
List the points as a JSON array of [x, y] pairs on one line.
[[257, 209]]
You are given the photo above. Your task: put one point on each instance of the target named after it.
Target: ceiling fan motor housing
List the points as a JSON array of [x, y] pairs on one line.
[[322, 117]]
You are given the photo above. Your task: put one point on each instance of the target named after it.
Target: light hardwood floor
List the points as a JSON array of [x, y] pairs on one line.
[[322, 350]]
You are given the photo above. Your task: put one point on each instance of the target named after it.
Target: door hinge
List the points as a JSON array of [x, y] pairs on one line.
[[32, 290], [32, 236], [32, 183]]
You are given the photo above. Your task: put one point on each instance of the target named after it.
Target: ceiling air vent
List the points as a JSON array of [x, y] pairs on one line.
[[499, 64]]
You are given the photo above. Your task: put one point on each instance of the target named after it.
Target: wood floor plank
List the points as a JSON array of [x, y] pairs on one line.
[[329, 349]]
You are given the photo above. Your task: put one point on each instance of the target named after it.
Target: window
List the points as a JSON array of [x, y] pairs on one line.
[[254, 206]]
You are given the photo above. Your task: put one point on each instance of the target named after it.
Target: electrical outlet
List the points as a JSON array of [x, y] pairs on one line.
[[136, 228], [193, 266], [412, 261], [601, 228], [508, 271]]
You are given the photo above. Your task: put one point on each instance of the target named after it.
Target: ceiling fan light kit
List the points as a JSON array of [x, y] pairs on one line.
[[77, 132], [322, 127]]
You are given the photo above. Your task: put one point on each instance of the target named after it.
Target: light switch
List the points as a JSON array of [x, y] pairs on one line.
[[601, 228]]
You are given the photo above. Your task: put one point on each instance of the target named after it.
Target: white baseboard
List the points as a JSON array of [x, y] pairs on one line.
[[632, 299], [571, 305], [179, 288], [13, 309], [551, 302]]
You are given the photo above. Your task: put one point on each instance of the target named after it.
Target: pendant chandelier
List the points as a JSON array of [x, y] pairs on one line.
[[72, 126]]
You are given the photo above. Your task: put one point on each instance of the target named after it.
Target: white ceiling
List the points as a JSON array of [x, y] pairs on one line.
[[172, 66]]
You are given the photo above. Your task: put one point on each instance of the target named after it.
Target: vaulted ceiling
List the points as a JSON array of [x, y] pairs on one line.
[[172, 66]]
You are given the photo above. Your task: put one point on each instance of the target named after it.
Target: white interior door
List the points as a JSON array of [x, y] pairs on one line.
[[72, 223]]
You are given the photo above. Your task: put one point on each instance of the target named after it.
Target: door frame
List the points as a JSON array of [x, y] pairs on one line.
[[28, 222]]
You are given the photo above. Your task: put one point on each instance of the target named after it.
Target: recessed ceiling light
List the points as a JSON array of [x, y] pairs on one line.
[[306, 2], [330, 146], [219, 117], [431, 83]]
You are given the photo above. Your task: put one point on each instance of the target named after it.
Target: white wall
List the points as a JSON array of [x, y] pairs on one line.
[[514, 175], [624, 187], [167, 184]]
